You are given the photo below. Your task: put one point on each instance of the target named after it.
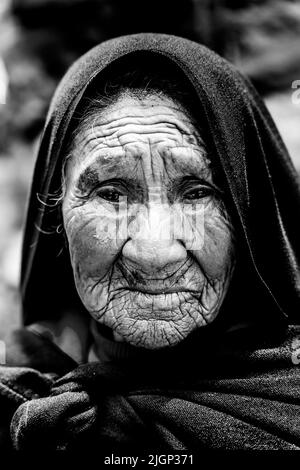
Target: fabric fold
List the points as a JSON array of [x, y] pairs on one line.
[[125, 405]]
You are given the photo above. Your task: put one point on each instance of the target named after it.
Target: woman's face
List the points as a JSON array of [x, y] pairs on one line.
[[150, 241]]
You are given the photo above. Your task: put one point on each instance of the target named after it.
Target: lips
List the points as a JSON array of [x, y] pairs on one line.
[[162, 305], [159, 291]]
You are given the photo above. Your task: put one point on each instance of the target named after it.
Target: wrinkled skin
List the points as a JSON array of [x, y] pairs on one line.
[[152, 289]]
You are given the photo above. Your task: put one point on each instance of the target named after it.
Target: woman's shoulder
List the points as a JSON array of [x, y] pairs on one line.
[[29, 365], [26, 348]]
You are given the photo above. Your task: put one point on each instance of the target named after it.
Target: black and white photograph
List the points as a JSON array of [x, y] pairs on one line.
[[149, 228]]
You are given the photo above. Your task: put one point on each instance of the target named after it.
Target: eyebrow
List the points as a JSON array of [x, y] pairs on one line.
[[88, 179], [92, 176], [107, 166], [93, 173]]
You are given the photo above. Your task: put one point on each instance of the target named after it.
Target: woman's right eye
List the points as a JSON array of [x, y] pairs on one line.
[[110, 194]]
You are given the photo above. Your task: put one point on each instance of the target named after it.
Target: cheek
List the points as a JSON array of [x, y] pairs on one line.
[[216, 243], [92, 243]]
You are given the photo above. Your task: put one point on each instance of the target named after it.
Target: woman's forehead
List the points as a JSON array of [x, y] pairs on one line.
[[133, 127], [140, 105]]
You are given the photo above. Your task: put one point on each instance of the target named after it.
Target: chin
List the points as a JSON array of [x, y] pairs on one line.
[[152, 334], [154, 322]]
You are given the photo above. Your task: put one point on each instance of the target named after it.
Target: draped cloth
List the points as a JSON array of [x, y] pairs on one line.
[[229, 399], [218, 393]]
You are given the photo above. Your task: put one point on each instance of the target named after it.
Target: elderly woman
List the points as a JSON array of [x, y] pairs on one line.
[[160, 274]]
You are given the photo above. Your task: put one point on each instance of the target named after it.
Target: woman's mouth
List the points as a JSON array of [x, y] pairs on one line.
[[159, 300], [161, 291]]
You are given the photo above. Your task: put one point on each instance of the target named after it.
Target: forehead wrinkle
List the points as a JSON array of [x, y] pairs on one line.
[[138, 123], [127, 158], [146, 114], [108, 125], [176, 133], [176, 168], [197, 164], [131, 133]]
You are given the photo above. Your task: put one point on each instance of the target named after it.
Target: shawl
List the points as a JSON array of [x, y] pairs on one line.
[[229, 397], [242, 393]]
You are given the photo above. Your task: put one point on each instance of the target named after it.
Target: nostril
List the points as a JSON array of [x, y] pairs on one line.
[[154, 255]]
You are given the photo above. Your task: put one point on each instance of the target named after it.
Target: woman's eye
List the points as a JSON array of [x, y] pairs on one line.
[[196, 193], [110, 194]]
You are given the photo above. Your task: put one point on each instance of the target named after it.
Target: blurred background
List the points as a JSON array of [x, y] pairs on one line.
[[39, 39]]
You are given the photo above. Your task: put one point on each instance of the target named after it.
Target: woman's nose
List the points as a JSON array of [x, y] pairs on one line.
[[151, 243]]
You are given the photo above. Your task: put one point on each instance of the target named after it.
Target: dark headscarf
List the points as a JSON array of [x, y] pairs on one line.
[[262, 184], [224, 394]]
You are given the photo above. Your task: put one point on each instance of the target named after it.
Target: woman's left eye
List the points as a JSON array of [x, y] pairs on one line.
[[196, 193]]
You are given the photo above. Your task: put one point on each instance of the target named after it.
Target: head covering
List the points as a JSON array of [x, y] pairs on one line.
[[230, 395], [262, 184]]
